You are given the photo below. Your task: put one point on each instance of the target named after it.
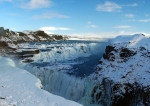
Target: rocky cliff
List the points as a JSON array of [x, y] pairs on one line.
[[9, 39], [123, 74]]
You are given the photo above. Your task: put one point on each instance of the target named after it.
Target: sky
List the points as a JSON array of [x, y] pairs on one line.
[[102, 18]]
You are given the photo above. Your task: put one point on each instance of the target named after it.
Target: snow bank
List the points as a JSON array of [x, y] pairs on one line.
[[19, 88]]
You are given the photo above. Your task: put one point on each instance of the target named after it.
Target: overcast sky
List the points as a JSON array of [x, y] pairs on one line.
[[103, 18]]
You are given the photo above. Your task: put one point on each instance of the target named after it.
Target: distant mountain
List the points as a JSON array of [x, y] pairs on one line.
[[26, 36], [123, 74], [11, 36], [9, 39]]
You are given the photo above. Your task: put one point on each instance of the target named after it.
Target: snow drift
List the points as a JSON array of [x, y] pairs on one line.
[[19, 88]]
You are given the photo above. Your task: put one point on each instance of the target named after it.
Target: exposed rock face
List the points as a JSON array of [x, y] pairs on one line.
[[26, 36], [57, 37], [134, 95], [108, 53], [125, 53], [30, 36], [26, 52], [123, 74]]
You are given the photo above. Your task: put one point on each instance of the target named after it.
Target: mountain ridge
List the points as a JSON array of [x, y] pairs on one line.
[[9, 39]]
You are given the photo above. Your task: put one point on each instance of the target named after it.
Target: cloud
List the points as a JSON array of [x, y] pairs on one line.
[[35, 4], [51, 28], [107, 34], [49, 32], [141, 20], [132, 5], [144, 20], [123, 27], [90, 25], [109, 7], [93, 26], [50, 15], [129, 15]]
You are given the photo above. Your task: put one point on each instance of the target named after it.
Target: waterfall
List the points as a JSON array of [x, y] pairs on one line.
[[64, 67]]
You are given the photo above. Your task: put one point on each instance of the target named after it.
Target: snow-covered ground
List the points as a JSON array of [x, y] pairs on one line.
[[19, 88]]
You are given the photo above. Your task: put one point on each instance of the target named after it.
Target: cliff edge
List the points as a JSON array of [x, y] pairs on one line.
[[123, 74]]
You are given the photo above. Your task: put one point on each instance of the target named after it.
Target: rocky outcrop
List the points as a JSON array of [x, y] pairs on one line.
[[7, 35], [26, 52], [9, 39], [108, 53], [30, 36], [125, 53], [57, 37], [133, 95], [123, 75], [110, 93]]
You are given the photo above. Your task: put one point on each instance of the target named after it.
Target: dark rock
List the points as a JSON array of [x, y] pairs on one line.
[[42, 34], [59, 52], [26, 56], [2, 98], [108, 53], [134, 95], [58, 37], [100, 62], [25, 52], [27, 60], [2, 32], [105, 56], [142, 48], [121, 94], [109, 49], [110, 56], [125, 52], [22, 34], [3, 44]]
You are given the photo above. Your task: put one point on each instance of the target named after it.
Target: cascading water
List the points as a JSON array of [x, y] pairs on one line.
[[64, 66]]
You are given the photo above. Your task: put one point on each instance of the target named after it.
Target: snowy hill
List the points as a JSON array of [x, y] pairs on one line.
[[19, 88], [123, 74]]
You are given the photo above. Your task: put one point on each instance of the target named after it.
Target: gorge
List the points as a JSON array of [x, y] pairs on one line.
[[92, 72]]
